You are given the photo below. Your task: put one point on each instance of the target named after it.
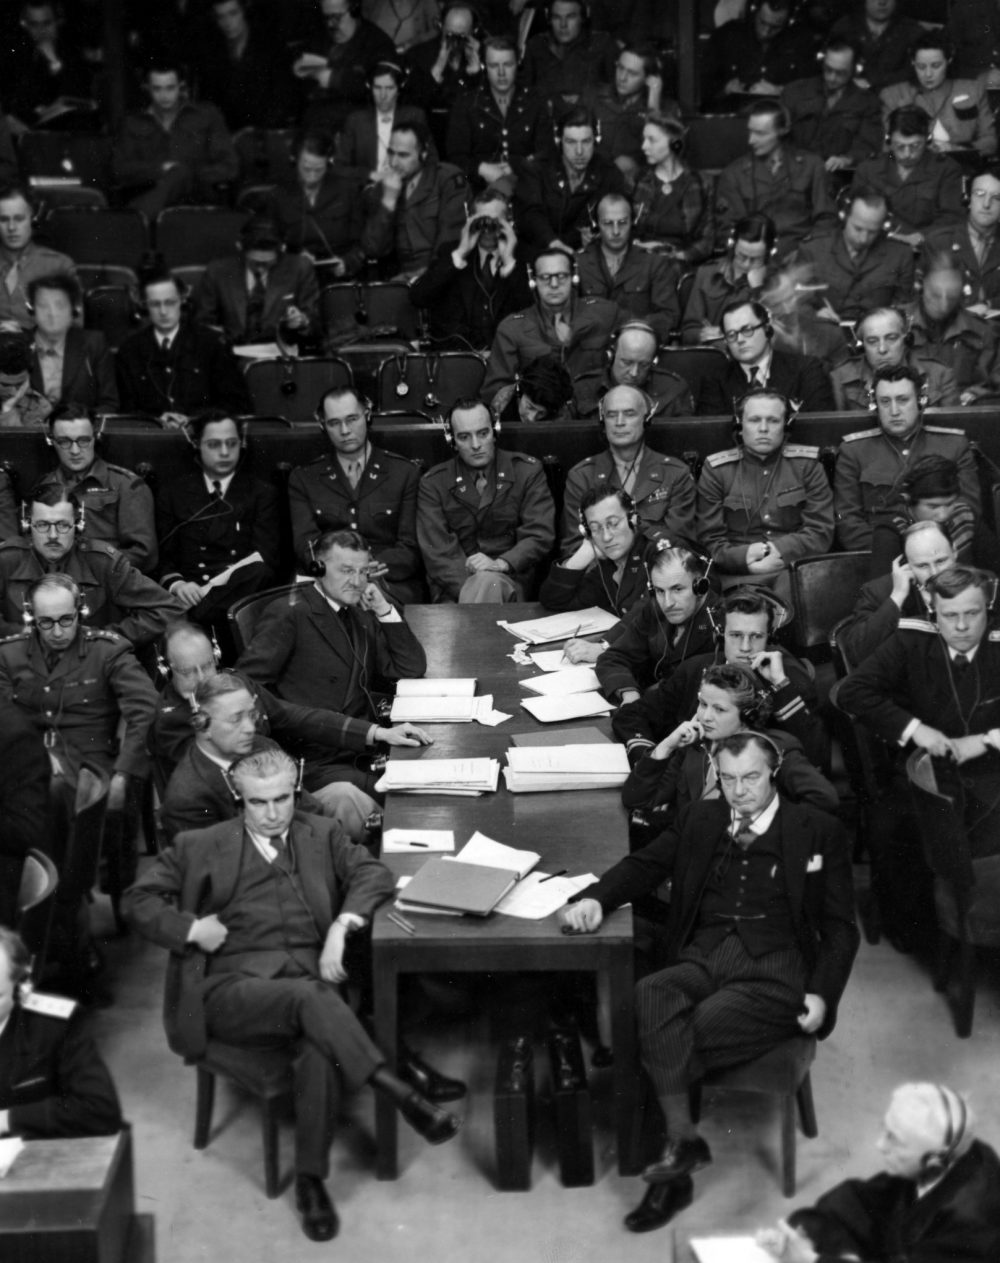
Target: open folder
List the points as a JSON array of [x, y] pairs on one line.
[[453, 886], [540, 631], [435, 701]]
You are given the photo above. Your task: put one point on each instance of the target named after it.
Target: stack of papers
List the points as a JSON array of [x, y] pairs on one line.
[[541, 631], [483, 850], [553, 710], [533, 769], [562, 683], [434, 701], [465, 777]]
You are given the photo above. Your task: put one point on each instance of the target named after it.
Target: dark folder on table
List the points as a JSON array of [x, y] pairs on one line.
[[458, 887]]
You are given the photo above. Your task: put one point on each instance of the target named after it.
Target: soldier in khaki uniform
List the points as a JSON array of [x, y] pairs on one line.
[[766, 502], [117, 503], [883, 337], [485, 518], [632, 362], [871, 463]]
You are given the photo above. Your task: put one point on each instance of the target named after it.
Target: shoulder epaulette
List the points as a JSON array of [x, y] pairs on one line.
[[807, 450], [994, 634], [529, 460], [517, 315], [861, 434], [723, 458], [20, 544], [21, 635], [944, 429], [98, 546], [103, 633], [120, 469], [917, 624]]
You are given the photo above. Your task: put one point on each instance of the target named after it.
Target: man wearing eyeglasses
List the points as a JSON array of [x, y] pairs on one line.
[[117, 595], [117, 503], [753, 361], [882, 335]]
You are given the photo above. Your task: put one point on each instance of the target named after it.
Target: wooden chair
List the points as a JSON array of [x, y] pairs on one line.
[[382, 306], [291, 387], [39, 879], [111, 309], [97, 275], [783, 1072], [265, 1073], [713, 140], [188, 235], [429, 380], [824, 591], [243, 615], [92, 235]]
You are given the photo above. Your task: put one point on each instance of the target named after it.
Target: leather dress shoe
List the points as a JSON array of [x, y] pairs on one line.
[[319, 1219], [429, 1120], [430, 1083], [680, 1158], [660, 1204]]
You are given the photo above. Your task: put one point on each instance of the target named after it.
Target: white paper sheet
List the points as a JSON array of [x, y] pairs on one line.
[[413, 841], [534, 897]]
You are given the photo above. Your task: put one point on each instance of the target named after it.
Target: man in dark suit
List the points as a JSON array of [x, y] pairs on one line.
[[259, 292], [338, 643], [212, 519], [357, 486], [24, 801], [175, 366], [256, 913], [69, 365], [973, 245], [937, 1197], [53, 1082], [753, 361], [760, 940]]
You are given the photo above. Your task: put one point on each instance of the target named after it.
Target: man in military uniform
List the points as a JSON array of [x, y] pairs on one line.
[[577, 329], [973, 244], [740, 276], [858, 265], [359, 487], [620, 107], [117, 504], [632, 356], [766, 502], [559, 62], [871, 463], [787, 184], [830, 114], [420, 204], [22, 260], [485, 518], [555, 200], [940, 326], [661, 487], [117, 596], [642, 283], [882, 38], [882, 335]]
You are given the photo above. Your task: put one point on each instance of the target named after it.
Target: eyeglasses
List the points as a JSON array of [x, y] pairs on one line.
[[64, 620], [747, 331], [65, 445], [551, 278], [62, 527]]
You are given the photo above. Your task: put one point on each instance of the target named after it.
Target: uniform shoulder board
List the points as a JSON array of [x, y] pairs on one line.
[[723, 458], [861, 434], [103, 633], [99, 546], [994, 635], [917, 624], [517, 315], [589, 302], [944, 429], [523, 456], [21, 635], [19, 543], [807, 450], [120, 469]]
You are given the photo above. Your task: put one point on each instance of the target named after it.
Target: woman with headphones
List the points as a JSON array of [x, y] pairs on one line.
[[959, 109], [681, 770], [673, 208]]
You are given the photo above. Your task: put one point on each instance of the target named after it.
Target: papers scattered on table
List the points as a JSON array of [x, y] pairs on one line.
[[10, 1147], [729, 1250], [541, 631], [258, 351], [435, 688], [440, 776], [537, 897], [534, 769], [443, 702], [582, 679], [550, 660], [483, 850], [552, 710], [412, 841]]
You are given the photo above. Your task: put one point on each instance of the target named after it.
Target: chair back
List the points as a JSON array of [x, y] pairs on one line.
[[243, 615], [92, 235], [714, 140], [119, 422], [380, 305], [39, 878], [96, 275], [111, 310], [824, 591], [695, 364], [53, 193], [398, 416], [940, 822], [66, 155], [292, 387], [189, 235], [431, 381]]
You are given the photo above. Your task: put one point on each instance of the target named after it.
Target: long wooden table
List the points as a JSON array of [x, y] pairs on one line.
[[580, 832]]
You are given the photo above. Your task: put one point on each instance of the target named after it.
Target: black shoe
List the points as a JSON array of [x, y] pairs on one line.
[[680, 1158], [661, 1203], [430, 1083], [319, 1219], [429, 1120]]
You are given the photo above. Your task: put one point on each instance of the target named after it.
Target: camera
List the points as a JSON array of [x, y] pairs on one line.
[[455, 40], [485, 223]]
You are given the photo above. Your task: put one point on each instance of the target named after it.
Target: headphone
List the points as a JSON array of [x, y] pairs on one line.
[[632, 326], [792, 408], [574, 275], [478, 32], [648, 402], [63, 412], [242, 430], [761, 225], [261, 232], [936, 1163], [846, 199], [400, 74], [782, 119], [922, 396], [465, 404], [779, 754], [163, 667], [778, 612], [992, 585], [627, 503], [594, 123], [75, 300], [79, 522], [79, 602], [699, 583], [227, 776], [366, 405]]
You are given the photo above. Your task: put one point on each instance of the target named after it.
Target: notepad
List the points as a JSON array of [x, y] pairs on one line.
[[541, 631], [439, 776], [413, 841], [435, 701], [536, 769], [436, 688], [475, 889], [551, 710], [483, 850], [581, 679]]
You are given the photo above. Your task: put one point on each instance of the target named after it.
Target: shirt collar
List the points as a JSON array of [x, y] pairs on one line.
[[334, 605], [763, 821], [363, 456], [969, 654], [169, 338], [264, 845], [223, 482]]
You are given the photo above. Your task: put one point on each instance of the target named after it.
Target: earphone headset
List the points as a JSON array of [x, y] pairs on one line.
[[400, 73], [163, 667], [757, 710], [261, 232], [991, 586], [846, 199], [627, 503], [464, 405], [75, 298], [792, 407], [778, 613], [574, 275], [632, 326], [242, 430], [934, 1164], [79, 522], [760, 227], [594, 123], [64, 413], [366, 406], [478, 32], [649, 404], [922, 394], [79, 603], [699, 582], [228, 775]]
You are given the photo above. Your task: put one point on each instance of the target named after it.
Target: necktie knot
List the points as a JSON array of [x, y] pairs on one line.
[[755, 375], [216, 489], [961, 663], [743, 835]]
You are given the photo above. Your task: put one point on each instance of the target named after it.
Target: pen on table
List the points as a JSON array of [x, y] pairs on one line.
[[559, 873], [425, 845], [402, 923]]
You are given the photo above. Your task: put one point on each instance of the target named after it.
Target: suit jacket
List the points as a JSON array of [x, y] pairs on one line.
[[461, 305], [201, 537], [547, 208], [876, 617], [53, 1081], [639, 653], [852, 127], [200, 372], [929, 197], [954, 240], [331, 225], [197, 877], [798, 377], [420, 224], [357, 144], [301, 650], [222, 295], [566, 589], [88, 376], [817, 863]]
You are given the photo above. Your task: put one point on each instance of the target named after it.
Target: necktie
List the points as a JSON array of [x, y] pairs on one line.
[[344, 614], [755, 376], [255, 302], [743, 835], [354, 468], [482, 486], [164, 343], [280, 853], [489, 271], [216, 489], [960, 664], [11, 279]]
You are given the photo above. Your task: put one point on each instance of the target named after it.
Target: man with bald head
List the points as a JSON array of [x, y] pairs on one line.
[[973, 244], [633, 354], [937, 1197], [661, 487], [943, 329]]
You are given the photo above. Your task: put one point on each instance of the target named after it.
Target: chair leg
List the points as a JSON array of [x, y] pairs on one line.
[[943, 951], [204, 1104], [269, 1128], [788, 1145], [694, 1101], [807, 1110], [965, 1001]]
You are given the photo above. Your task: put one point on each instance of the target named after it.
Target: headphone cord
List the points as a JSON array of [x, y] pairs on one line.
[[201, 513]]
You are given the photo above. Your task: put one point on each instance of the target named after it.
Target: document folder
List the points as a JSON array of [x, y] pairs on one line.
[[459, 887]]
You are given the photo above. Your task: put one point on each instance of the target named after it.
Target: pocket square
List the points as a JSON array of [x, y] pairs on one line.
[[815, 864]]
